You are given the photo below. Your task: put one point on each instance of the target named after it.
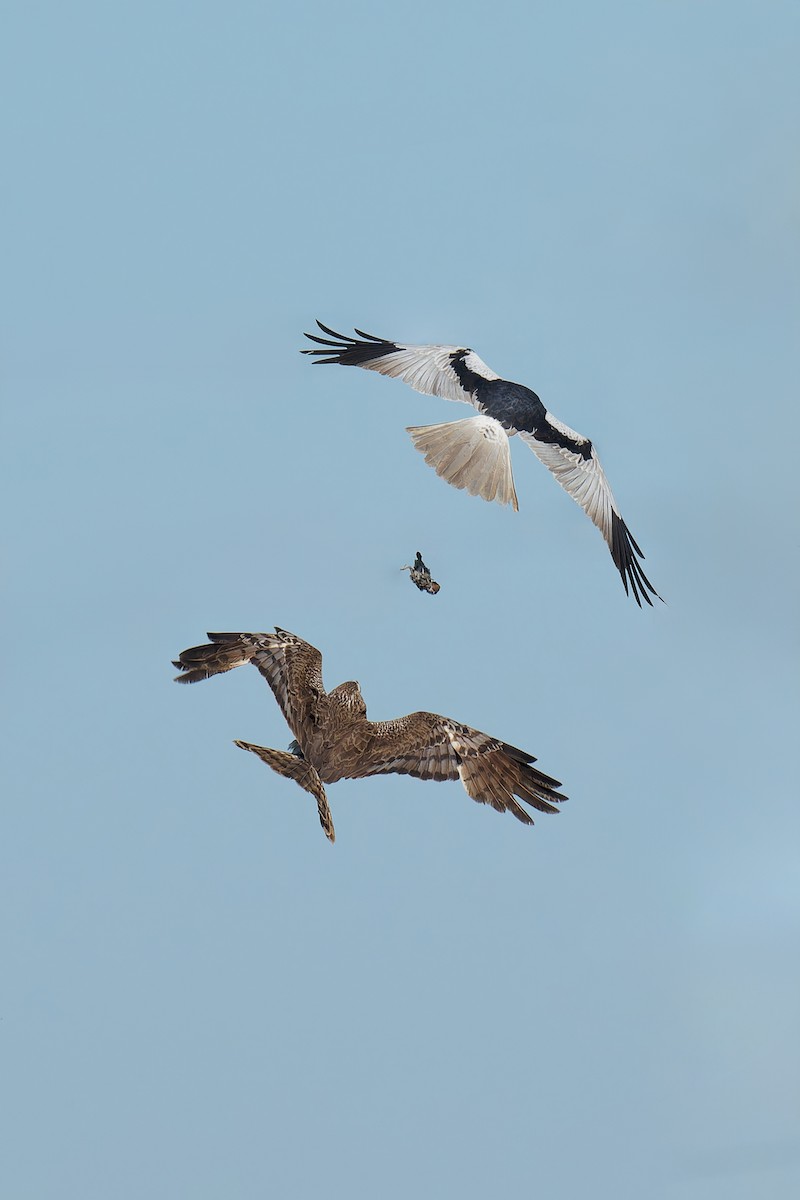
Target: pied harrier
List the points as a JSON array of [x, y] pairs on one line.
[[474, 453]]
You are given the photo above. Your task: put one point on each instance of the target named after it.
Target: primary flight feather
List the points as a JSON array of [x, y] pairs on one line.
[[334, 740], [474, 453]]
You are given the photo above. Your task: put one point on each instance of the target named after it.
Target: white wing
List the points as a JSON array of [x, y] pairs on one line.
[[452, 372], [584, 479]]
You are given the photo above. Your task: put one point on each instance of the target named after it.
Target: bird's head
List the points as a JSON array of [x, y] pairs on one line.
[[350, 695]]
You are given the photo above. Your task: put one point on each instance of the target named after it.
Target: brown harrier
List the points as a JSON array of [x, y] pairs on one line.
[[334, 740], [475, 453]]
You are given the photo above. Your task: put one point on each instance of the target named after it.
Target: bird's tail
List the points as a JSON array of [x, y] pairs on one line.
[[473, 453], [226, 651], [293, 766]]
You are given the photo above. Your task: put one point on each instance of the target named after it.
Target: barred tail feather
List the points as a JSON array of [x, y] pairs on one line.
[[294, 766]]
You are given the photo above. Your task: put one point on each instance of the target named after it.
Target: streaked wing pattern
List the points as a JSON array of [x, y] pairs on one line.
[[291, 667], [201, 662], [429, 746]]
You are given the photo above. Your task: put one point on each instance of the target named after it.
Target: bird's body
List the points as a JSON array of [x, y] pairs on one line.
[[420, 576], [334, 739], [474, 453]]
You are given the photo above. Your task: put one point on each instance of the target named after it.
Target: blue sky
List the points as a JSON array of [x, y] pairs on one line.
[[200, 996]]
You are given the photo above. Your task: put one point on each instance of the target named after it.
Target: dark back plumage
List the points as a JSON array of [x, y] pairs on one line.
[[473, 454]]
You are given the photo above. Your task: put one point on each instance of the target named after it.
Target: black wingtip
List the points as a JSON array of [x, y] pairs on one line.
[[342, 337], [346, 351], [340, 343], [624, 551]]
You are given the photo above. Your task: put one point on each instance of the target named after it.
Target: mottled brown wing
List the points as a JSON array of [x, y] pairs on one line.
[[291, 667], [432, 747]]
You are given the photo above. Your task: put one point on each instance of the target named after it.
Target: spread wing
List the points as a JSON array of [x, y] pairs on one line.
[[573, 461], [291, 667], [452, 372], [432, 747], [474, 454]]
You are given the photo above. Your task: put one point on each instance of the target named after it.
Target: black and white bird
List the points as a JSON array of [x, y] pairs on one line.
[[421, 577], [334, 740], [474, 453]]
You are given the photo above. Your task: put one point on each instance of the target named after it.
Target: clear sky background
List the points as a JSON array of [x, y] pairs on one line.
[[200, 996]]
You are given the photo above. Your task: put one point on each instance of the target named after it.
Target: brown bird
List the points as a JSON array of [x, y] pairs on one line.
[[334, 740]]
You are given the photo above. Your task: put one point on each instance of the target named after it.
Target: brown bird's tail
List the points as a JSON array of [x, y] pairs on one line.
[[473, 453], [292, 766], [227, 650]]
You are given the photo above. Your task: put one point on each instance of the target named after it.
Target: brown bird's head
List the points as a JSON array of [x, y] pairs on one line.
[[349, 694]]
